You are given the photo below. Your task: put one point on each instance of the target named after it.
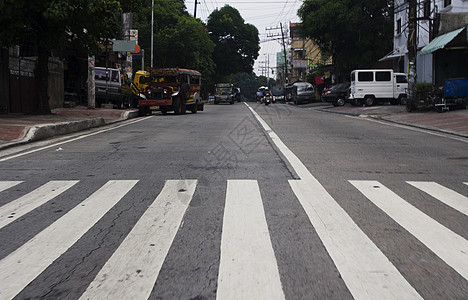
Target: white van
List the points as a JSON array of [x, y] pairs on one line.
[[371, 86]]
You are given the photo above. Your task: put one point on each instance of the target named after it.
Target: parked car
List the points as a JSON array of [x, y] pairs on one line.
[[303, 92], [336, 94]]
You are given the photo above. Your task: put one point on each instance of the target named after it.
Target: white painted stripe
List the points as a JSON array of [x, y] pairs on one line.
[[27, 262], [132, 270], [465, 183], [4, 185], [443, 194], [248, 267], [449, 246], [366, 271], [21, 206]]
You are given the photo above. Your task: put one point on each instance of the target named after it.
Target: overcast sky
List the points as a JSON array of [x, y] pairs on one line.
[[260, 13]]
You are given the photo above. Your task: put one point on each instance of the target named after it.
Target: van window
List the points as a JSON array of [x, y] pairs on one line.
[[365, 76], [102, 74], [401, 79], [383, 76]]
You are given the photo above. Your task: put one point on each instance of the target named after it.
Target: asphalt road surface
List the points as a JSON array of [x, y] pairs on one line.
[[237, 202]]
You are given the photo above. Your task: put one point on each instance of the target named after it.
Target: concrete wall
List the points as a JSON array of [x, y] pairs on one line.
[[56, 83], [4, 82]]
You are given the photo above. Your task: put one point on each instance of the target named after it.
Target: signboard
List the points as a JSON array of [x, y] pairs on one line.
[[299, 64], [134, 35], [124, 46]]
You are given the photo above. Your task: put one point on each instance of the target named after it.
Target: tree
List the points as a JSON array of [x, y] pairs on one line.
[[50, 24], [186, 45], [237, 43], [355, 33]]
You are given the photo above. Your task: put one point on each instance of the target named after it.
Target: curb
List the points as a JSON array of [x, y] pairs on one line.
[[383, 118], [45, 131]]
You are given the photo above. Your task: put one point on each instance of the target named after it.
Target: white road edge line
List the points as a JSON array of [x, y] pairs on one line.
[[70, 140], [133, 268], [21, 206], [366, 271], [451, 198], [24, 264], [446, 244], [248, 268]]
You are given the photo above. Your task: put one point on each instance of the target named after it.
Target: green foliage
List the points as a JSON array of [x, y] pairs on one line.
[[237, 43], [186, 45], [423, 87], [356, 33], [54, 24]]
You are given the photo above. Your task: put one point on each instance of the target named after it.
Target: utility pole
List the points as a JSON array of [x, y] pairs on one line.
[[152, 27], [195, 10], [285, 57], [412, 50]]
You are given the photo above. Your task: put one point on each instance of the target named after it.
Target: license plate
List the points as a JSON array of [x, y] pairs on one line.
[[154, 107]]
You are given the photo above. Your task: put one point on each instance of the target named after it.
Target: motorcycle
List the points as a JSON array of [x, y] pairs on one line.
[[267, 98]]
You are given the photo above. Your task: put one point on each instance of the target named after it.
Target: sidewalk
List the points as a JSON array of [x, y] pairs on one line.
[[19, 128], [454, 122]]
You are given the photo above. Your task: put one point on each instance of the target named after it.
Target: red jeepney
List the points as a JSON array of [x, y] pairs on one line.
[[171, 89]]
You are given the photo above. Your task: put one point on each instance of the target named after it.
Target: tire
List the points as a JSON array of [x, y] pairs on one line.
[[410, 106], [194, 108], [177, 105], [340, 102], [369, 101], [143, 111]]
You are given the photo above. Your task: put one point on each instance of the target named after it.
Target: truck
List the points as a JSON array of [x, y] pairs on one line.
[[223, 93], [171, 89], [372, 86]]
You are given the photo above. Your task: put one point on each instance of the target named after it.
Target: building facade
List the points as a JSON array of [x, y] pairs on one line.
[[434, 18]]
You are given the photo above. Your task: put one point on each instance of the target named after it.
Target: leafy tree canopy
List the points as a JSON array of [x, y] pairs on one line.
[[237, 43], [186, 45], [355, 33]]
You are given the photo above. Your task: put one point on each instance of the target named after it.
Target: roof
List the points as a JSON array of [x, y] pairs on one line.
[[441, 41]]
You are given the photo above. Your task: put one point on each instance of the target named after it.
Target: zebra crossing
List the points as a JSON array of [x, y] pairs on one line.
[[248, 266]]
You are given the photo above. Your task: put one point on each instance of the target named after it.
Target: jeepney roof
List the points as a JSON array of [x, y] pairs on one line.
[[174, 71]]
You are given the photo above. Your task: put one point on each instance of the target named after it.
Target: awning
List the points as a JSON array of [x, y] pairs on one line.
[[440, 41]]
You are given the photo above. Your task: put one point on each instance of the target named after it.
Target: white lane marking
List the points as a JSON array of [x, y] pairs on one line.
[[21, 206], [132, 270], [248, 267], [26, 263], [70, 140], [4, 185], [443, 194], [366, 271], [449, 246]]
